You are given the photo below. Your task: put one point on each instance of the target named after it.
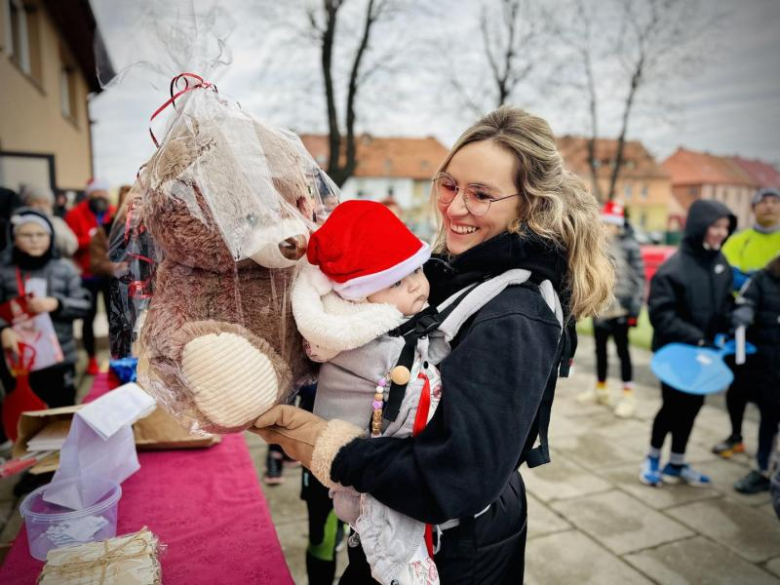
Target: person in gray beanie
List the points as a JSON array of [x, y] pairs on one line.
[[32, 258], [42, 199]]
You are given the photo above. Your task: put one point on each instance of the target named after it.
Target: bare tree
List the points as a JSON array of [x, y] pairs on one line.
[[660, 38], [513, 34], [580, 38], [324, 24], [353, 46], [656, 42]]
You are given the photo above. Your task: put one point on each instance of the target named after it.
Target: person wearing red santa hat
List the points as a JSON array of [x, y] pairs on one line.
[[84, 220], [622, 313]]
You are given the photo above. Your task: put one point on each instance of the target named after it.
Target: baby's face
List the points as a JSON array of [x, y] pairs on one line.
[[408, 295]]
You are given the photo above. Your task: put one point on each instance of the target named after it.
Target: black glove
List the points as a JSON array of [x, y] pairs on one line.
[[742, 316]]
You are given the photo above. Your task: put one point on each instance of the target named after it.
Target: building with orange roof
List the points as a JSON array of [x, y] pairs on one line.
[[644, 188], [731, 180], [765, 174], [397, 170]]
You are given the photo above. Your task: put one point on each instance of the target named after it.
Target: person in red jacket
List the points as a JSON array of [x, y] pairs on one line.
[[85, 219]]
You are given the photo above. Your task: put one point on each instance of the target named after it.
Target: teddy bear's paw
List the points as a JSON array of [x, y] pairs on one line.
[[232, 381]]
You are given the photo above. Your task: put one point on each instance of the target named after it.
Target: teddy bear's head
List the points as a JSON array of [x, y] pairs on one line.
[[228, 188]]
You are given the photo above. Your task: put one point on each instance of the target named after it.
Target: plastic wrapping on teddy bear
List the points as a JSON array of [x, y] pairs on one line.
[[135, 257], [205, 247], [222, 216]]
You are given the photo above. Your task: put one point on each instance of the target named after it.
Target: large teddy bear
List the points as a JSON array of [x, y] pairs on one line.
[[230, 202]]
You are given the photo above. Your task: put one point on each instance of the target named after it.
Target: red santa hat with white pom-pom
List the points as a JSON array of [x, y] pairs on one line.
[[361, 249], [614, 213]]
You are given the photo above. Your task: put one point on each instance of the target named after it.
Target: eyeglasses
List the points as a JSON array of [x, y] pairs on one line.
[[476, 200], [31, 237]]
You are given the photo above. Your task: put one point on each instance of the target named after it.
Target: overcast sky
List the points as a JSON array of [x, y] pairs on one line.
[[728, 105]]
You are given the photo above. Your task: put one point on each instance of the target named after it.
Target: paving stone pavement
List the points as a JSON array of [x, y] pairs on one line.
[[590, 519]]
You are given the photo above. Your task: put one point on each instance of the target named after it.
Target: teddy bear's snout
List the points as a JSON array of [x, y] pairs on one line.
[[294, 247]]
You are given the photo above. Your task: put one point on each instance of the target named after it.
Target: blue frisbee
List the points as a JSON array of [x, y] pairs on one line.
[[693, 369]]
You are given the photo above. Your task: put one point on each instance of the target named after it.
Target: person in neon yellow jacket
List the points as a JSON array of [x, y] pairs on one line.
[[750, 250]]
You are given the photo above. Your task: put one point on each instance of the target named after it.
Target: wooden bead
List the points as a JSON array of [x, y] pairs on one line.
[[400, 375]]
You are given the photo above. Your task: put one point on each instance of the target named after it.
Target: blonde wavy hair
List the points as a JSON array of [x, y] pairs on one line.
[[555, 204]]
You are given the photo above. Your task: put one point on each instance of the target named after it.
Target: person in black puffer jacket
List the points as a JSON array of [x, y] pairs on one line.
[[758, 308], [690, 301], [32, 256]]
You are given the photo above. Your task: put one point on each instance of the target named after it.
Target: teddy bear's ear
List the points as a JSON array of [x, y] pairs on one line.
[[173, 159]]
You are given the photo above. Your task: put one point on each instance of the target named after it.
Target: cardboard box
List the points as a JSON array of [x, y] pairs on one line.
[[157, 431], [160, 430]]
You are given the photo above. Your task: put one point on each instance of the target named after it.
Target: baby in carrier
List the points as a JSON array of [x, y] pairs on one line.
[[361, 306], [363, 282]]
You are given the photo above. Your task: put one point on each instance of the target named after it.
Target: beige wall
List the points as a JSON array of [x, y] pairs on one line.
[[31, 118], [649, 201], [736, 197]]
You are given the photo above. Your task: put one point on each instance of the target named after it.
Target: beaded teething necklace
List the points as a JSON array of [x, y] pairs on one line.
[[399, 375]]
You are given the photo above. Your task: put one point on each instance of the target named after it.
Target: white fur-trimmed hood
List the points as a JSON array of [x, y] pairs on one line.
[[326, 320]]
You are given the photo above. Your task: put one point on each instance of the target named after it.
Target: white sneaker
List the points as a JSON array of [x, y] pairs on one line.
[[587, 397], [626, 406]]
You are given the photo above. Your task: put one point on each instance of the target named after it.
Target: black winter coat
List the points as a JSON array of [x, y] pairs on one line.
[[493, 383], [762, 295], [690, 295], [62, 282]]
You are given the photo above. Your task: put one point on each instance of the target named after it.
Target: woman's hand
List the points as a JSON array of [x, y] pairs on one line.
[[306, 437], [10, 340], [42, 304]]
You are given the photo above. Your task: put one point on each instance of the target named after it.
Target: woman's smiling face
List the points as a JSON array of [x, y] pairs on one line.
[[485, 167]]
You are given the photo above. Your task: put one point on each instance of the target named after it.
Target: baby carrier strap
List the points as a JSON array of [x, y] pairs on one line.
[[450, 316], [422, 324]]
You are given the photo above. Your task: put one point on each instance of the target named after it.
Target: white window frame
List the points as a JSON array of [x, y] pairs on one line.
[[23, 59], [8, 43]]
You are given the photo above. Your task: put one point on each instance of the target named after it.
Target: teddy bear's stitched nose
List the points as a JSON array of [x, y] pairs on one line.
[[294, 247]]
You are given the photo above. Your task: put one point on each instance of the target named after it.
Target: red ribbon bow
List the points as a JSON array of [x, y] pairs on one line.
[[198, 83]]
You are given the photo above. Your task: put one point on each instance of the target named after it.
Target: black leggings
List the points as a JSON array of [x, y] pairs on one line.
[[738, 395], [767, 429], [676, 416], [323, 531], [618, 329], [94, 286]]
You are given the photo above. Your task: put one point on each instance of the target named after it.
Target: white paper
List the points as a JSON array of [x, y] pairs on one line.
[[739, 334], [36, 287], [119, 408], [100, 444], [76, 530]]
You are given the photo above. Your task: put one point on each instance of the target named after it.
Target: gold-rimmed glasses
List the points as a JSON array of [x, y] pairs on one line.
[[477, 198]]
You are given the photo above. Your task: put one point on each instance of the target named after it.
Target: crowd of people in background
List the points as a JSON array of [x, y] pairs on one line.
[[715, 283], [50, 252]]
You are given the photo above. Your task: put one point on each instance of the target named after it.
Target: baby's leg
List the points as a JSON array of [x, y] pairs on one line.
[[394, 545]]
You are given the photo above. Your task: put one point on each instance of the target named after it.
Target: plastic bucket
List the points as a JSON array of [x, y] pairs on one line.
[[52, 526]]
